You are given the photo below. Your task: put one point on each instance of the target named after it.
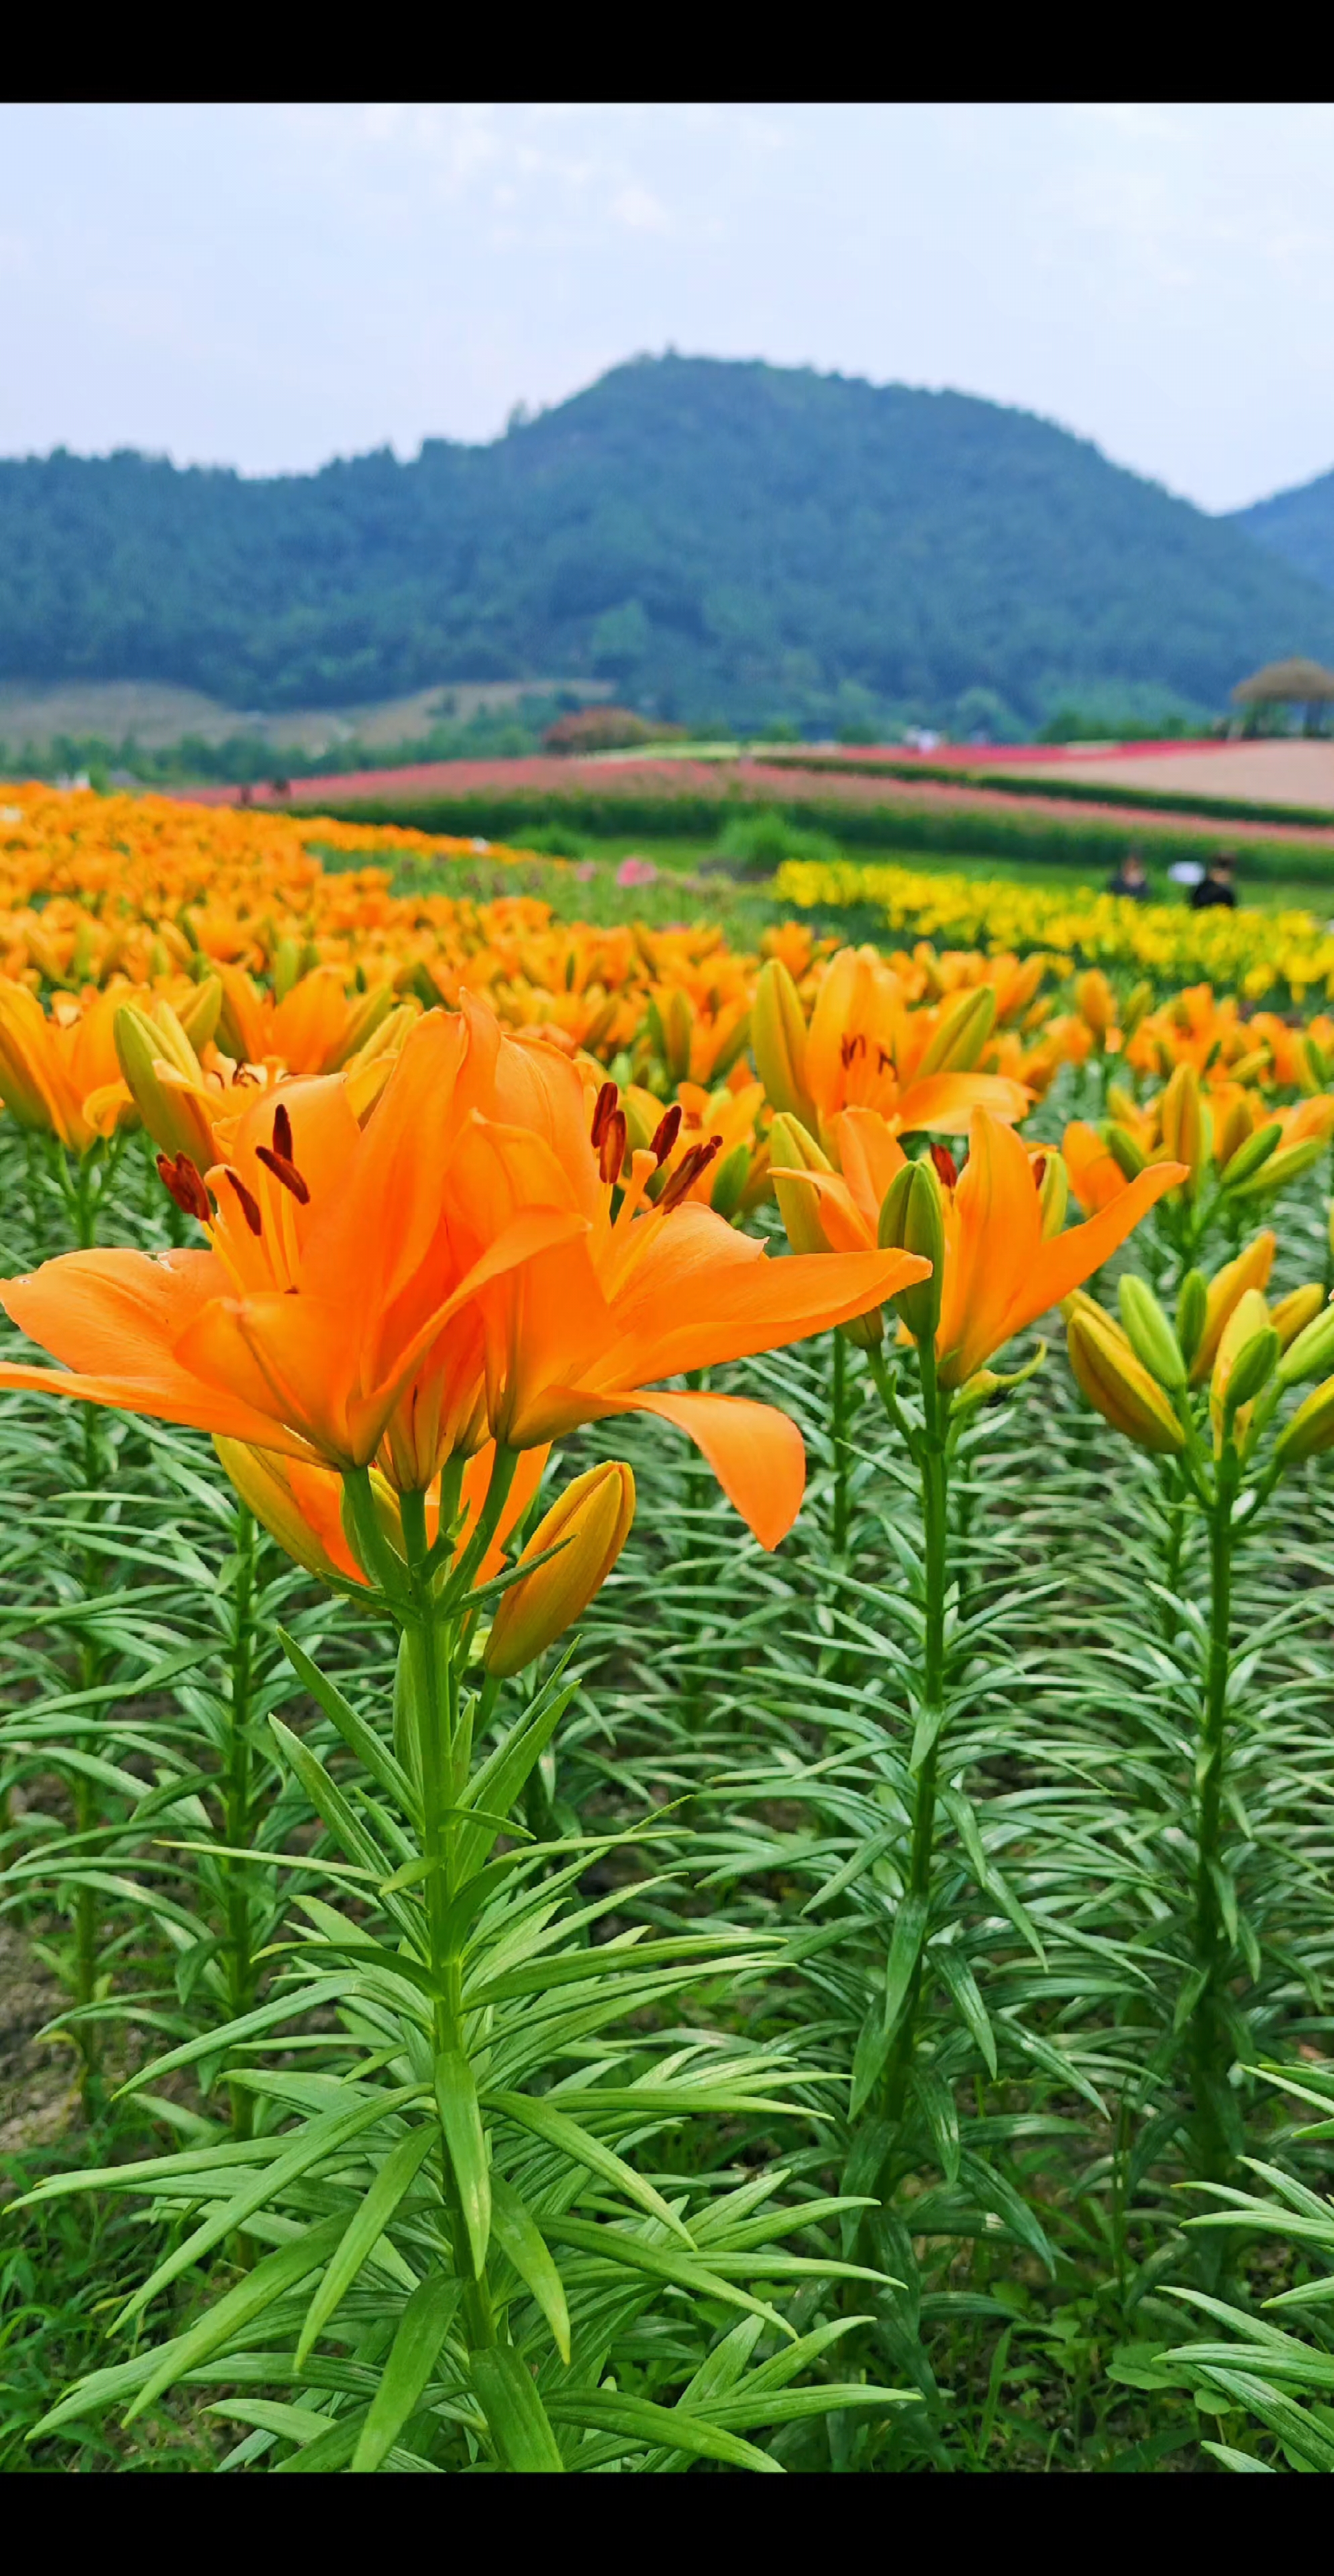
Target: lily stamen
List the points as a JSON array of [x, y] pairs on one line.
[[249, 1204], [185, 1182], [665, 1133]]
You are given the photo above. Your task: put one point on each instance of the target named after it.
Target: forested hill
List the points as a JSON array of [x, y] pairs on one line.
[[719, 540], [1297, 526]]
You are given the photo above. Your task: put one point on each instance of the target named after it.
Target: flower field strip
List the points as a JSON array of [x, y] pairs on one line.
[[774, 2036], [1033, 818]]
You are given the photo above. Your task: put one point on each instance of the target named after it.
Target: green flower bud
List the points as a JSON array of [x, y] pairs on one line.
[[1150, 1335], [1192, 1310], [911, 1220], [1248, 1157]]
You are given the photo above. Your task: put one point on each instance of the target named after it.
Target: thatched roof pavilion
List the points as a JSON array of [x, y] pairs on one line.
[[1294, 682]]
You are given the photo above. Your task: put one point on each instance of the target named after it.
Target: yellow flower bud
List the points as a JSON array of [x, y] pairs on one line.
[[163, 1092], [1185, 1123], [1310, 1430], [1232, 1130], [364, 1018], [1248, 1350], [299, 1506], [589, 1526], [1053, 1196], [1305, 1326], [198, 1018], [1117, 1384], [778, 1042], [1138, 1002], [964, 1028], [1250, 1270], [1095, 1001], [799, 1207]]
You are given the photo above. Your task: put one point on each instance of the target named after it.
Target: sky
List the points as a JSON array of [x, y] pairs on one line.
[[267, 286]]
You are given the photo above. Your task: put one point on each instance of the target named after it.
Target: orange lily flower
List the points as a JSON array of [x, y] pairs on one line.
[[1001, 1274], [315, 1027], [449, 1273], [50, 1065], [866, 1049]]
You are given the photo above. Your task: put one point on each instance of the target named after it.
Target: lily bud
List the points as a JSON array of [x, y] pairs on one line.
[[199, 1016], [1192, 1305], [912, 1220], [729, 1181], [1095, 1001], [1124, 1152], [1315, 1063], [299, 1506], [1185, 1125], [798, 1205], [364, 1019], [1138, 1002], [1310, 1350], [1053, 1196], [1247, 1354], [1252, 1368], [964, 1029], [170, 1110], [1226, 1289], [1150, 1334], [1234, 1124], [1280, 1169], [589, 1525], [1117, 1384], [1249, 1156], [1310, 1430], [778, 1042]]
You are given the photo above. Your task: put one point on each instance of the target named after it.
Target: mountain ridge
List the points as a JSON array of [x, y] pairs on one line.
[[721, 540]]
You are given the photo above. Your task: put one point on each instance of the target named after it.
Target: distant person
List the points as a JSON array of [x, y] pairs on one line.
[[1216, 886], [1131, 879]]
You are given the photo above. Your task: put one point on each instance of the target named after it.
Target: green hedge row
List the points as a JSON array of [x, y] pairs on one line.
[[950, 833]]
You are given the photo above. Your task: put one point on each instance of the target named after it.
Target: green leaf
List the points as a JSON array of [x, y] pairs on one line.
[[957, 1977], [422, 2329], [364, 2230], [328, 1801], [270, 2279], [360, 1738], [521, 2241], [520, 2425], [670, 2428], [904, 1951], [461, 2120], [292, 2006], [308, 2146], [868, 2057], [556, 2129], [937, 2101], [610, 2244], [1192, 1988]]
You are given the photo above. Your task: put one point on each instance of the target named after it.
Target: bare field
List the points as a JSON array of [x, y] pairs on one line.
[[158, 715], [1270, 773]]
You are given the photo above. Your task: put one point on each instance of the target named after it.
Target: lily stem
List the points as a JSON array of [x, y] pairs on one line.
[[1209, 2044], [431, 1646], [839, 1443], [238, 1799], [933, 1470]]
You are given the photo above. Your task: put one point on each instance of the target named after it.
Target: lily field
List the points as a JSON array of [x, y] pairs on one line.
[[666, 1783]]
